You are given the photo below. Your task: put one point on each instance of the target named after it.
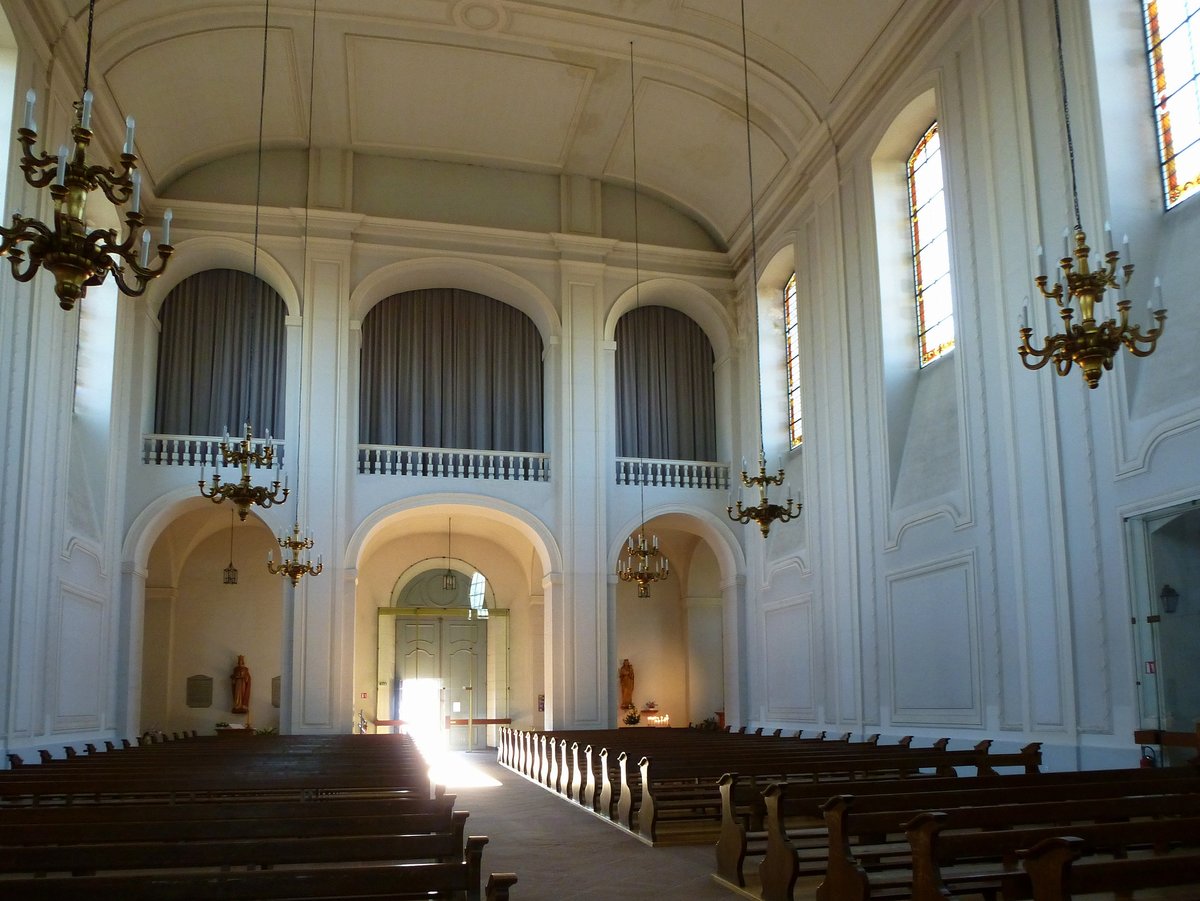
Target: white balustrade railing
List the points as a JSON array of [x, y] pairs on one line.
[[672, 473], [197, 450], [451, 463]]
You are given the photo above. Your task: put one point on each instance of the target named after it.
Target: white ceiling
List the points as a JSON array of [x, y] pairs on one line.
[[533, 86]]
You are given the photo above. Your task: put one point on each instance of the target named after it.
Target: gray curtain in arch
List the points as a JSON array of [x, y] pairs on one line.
[[666, 400], [444, 367], [221, 356]]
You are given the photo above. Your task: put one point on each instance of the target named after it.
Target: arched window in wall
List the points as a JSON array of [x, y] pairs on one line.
[[930, 247], [666, 401], [1172, 35], [791, 337], [221, 356], [450, 369]]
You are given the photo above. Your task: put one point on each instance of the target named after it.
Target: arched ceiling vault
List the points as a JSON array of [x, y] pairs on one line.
[[537, 87]]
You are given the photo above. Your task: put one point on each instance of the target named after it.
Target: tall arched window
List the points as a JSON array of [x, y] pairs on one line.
[[221, 356], [1172, 33], [666, 401], [450, 369], [930, 248], [791, 337]]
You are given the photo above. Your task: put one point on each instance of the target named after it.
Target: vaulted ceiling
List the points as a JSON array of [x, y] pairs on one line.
[[514, 84]]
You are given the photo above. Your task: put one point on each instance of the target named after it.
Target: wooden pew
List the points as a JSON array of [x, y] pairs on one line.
[[690, 792], [800, 804], [246, 843], [1054, 875], [865, 855], [395, 882]]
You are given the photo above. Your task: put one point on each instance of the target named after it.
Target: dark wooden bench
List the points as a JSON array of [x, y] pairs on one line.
[[884, 853], [404, 881], [797, 806], [1055, 876], [690, 792], [1151, 837]]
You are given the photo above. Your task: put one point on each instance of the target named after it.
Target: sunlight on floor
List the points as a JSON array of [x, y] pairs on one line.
[[453, 770]]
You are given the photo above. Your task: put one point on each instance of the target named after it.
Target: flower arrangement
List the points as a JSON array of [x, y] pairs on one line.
[[632, 718]]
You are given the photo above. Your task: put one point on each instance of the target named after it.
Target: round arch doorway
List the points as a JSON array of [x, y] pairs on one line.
[[443, 657]]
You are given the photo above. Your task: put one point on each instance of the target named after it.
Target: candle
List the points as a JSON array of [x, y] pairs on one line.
[[30, 100], [1108, 245], [789, 491], [61, 176], [1158, 298], [136, 206], [1066, 243], [1025, 315], [201, 475], [1041, 260], [1126, 251], [145, 248], [226, 433], [167, 217], [128, 148], [743, 464], [85, 114]]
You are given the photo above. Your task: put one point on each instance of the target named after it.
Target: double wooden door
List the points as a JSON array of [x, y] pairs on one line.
[[441, 676]]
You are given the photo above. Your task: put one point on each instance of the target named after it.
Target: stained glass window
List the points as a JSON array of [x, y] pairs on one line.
[[930, 248], [1172, 32], [791, 334]]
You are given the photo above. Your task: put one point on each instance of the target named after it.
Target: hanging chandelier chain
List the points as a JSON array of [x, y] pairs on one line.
[[764, 512], [262, 111], [753, 227], [637, 277], [1062, 78], [87, 57]]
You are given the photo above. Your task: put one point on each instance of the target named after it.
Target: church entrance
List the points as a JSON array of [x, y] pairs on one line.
[[440, 663], [443, 669], [1165, 567]]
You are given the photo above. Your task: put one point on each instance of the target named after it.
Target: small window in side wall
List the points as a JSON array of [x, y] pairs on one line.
[[791, 334], [1172, 33], [930, 248]]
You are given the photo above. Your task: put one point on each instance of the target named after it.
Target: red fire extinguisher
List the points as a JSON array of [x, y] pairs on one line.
[[1148, 761]]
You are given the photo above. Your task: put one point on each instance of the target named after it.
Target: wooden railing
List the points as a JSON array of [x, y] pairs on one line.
[[195, 450], [672, 473], [450, 463]]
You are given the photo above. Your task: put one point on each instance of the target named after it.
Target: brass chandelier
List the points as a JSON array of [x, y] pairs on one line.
[[294, 568], [79, 258], [642, 562], [244, 495], [1085, 343], [764, 512]]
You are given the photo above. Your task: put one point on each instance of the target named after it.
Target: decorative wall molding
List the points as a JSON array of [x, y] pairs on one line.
[[934, 643]]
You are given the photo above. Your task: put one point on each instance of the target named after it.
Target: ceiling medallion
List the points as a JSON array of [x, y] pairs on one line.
[[481, 15]]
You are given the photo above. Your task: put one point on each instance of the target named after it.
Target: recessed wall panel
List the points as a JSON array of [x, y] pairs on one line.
[[935, 644], [790, 661]]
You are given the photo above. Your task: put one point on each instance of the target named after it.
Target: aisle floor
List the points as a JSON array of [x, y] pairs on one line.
[[560, 851]]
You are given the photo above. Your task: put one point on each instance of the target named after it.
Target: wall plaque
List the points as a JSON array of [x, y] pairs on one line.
[[275, 683], [199, 691]]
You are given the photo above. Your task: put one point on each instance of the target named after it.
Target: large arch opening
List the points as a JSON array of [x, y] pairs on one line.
[[208, 600], [682, 641], [450, 621]]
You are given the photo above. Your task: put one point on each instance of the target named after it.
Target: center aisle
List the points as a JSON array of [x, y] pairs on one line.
[[560, 851]]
